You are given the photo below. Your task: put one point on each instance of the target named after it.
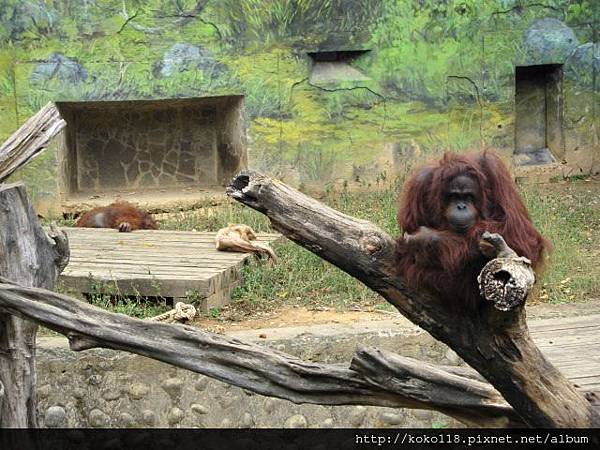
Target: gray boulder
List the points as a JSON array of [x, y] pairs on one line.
[[182, 57], [58, 66], [550, 40], [583, 62]]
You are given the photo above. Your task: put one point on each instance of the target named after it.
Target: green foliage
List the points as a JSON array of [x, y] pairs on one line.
[[272, 21], [107, 295]]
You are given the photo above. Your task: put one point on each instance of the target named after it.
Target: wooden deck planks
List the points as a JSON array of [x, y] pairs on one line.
[[154, 262], [573, 345]]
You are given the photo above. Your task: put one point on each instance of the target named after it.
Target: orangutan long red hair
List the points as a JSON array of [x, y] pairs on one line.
[[444, 209], [120, 215]]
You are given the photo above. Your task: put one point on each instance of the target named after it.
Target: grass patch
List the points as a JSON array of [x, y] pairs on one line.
[[569, 215], [106, 295]]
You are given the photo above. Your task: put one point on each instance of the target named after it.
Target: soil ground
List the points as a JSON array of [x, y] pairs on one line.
[[288, 316]]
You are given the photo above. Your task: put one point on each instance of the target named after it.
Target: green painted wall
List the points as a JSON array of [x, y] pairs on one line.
[[439, 74]]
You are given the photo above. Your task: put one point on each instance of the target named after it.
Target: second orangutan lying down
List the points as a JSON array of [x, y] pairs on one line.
[[120, 215]]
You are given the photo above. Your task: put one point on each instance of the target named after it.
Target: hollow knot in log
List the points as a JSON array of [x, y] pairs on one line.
[[506, 282], [371, 243]]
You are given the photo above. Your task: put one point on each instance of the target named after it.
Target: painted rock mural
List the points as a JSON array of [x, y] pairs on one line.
[[348, 92]]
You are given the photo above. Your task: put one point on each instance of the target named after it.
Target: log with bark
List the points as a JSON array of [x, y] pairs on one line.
[[28, 257], [375, 377]]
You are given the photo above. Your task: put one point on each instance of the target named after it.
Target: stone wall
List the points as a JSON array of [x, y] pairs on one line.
[[151, 144], [103, 388]]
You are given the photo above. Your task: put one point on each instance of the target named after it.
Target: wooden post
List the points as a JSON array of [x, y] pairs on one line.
[[29, 257]]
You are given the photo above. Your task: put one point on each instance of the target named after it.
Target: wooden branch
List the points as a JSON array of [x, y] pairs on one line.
[[495, 343], [451, 390], [29, 140], [26, 258], [265, 371]]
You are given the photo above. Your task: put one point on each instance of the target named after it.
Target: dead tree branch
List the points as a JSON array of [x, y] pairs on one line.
[[29, 140]]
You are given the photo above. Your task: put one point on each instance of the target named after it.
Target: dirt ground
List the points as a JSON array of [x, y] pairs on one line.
[[288, 316]]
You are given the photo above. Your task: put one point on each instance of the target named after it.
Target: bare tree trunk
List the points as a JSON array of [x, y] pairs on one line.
[[495, 343], [30, 258]]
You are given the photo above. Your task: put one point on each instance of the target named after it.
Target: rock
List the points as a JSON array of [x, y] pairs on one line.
[[126, 420], [30, 16], [270, 405], [582, 64], [55, 417], [173, 386], [98, 419], [201, 383], [549, 41], [175, 416], [423, 415], [43, 392], [111, 395], [58, 66], [247, 420], [390, 418], [199, 409], [226, 401], [296, 421], [78, 393], [327, 423], [226, 423], [357, 416], [138, 391], [94, 380], [182, 57], [148, 417]]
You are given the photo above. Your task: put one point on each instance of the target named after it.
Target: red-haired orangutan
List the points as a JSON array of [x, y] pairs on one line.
[[445, 208], [120, 215]]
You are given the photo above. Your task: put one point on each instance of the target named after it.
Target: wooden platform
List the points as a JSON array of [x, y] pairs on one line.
[[154, 263], [573, 345]]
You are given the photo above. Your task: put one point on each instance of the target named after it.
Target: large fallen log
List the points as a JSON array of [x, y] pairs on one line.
[[495, 343], [29, 140]]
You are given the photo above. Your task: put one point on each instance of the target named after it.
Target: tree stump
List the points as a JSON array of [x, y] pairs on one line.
[[31, 258]]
